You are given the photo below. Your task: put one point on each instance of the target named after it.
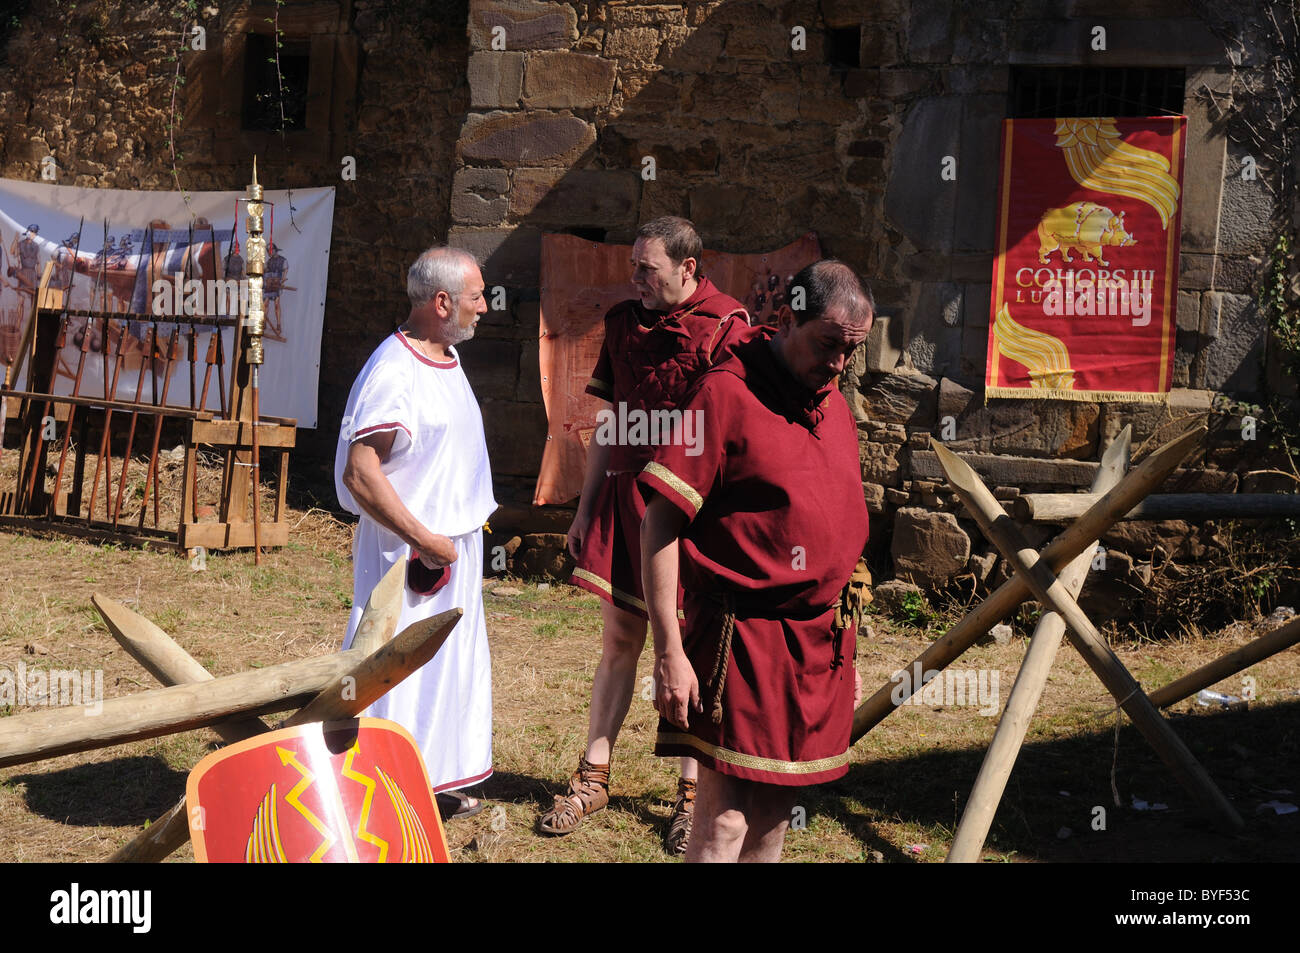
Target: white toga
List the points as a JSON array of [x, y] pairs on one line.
[[439, 467]]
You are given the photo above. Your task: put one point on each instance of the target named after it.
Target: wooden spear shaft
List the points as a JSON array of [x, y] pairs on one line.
[[351, 694], [1230, 664], [999, 528], [1001, 756], [1076, 538]]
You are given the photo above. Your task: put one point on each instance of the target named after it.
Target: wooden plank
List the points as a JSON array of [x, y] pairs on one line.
[[1063, 507], [235, 433], [1009, 471], [143, 407], [282, 486], [97, 530], [231, 535]]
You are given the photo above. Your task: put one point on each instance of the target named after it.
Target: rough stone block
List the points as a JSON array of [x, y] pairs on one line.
[[1189, 311], [1183, 411], [636, 45], [528, 25], [495, 79], [568, 80], [1195, 271], [884, 344], [934, 333], [1234, 355], [590, 197], [875, 496], [929, 37], [917, 201], [1167, 41], [1239, 274], [928, 548], [903, 398], [1245, 210], [525, 138], [1204, 169], [492, 367], [516, 434], [881, 463], [509, 256], [480, 196]]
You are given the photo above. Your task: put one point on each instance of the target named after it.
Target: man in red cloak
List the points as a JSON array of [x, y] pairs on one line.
[[656, 346], [759, 683]]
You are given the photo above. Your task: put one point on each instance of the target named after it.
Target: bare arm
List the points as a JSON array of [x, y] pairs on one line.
[[365, 480], [677, 690], [597, 464]]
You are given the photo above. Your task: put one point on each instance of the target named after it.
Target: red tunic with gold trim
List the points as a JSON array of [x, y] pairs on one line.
[[776, 523], [648, 362]]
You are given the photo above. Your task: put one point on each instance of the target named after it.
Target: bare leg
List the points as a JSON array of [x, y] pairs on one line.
[[739, 820], [769, 816], [720, 825], [690, 769], [615, 680]]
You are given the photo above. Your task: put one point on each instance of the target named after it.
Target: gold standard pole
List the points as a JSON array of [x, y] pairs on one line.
[[254, 324]]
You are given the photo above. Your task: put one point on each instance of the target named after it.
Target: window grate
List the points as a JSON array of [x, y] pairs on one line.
[[1058, 91]]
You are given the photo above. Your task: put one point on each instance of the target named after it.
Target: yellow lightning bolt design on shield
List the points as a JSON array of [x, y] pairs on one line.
[[291, 759], [369, 784]]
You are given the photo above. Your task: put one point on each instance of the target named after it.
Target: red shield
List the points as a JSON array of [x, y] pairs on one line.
[[340, 792]]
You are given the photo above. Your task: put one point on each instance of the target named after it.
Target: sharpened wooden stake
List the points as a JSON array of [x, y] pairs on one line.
[[1001, 756], [1230, 664], [1075, 539], [351, 693], [1004, 534], [383, 608], [165, 660]]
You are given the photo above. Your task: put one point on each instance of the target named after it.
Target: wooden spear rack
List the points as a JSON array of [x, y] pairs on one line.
[[64, 439]]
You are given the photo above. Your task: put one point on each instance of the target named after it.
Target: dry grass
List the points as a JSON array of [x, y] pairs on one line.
[[901, 799]]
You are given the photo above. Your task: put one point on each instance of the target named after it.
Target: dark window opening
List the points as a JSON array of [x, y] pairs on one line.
[[843, 47], [262, 88], [1060, 91], [590, 234]]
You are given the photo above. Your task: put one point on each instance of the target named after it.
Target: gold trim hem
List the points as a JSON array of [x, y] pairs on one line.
[[754, 762]]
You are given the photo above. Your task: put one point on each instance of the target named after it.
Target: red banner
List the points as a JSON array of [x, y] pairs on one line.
[[1085, 282], [581, 280]]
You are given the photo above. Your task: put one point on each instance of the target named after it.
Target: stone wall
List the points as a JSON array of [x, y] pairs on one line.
[[91, 84], [763, 119]]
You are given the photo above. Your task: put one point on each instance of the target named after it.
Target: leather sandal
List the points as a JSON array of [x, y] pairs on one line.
[[588, 793], [679, 827]]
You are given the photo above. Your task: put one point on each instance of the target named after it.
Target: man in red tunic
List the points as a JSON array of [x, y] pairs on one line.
[[656, 346], [771, 521]]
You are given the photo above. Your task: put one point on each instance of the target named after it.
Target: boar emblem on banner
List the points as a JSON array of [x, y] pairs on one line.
[[1085, 227]]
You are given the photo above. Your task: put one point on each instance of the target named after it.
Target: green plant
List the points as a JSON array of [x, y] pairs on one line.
[[914, 610]]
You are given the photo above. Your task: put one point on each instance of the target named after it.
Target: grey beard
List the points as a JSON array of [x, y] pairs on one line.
[[454, 334]]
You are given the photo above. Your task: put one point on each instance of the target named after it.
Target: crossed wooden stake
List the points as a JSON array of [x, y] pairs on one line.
[[1036, 573], [329, 687]]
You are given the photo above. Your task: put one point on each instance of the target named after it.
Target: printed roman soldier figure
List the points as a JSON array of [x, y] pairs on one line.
[[273, 283], [28, 255]]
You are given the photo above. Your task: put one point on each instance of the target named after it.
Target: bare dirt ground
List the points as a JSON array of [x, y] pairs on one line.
[[900, 801]]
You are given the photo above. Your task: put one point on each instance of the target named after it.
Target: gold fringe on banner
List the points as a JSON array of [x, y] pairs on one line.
[[1096, 396]]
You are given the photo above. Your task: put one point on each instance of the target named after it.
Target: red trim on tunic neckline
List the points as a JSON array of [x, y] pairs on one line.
[[423, 358]]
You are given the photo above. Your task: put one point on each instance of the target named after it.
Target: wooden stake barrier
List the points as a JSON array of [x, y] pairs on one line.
[[34, 736], [1075, 539], [1001, 756], [347, 696], [1004, 534]]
